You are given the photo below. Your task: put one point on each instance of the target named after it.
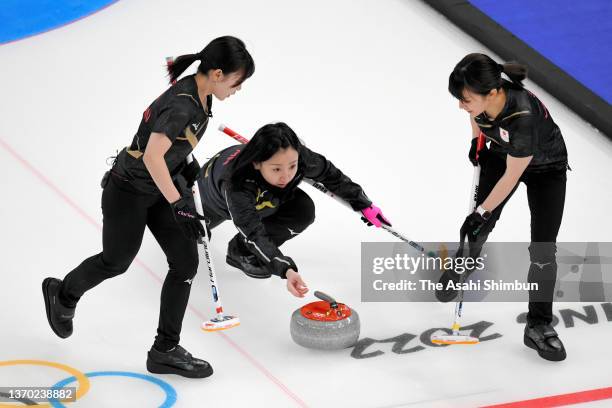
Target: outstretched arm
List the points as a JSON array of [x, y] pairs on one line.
[[523, 137], [318, 168], [515, 167]]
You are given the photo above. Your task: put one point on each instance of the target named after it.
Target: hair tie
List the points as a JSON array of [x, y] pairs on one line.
[[501, 67]]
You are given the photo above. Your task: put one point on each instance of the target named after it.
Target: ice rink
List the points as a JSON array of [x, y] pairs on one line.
[[362, 82]]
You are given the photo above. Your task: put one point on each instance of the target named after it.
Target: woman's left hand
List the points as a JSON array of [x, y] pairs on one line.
[[374, 216]]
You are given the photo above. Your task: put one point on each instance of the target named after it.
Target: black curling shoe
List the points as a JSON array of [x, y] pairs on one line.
[[177, 361], [245, 261], [59, 316], [544, 339]]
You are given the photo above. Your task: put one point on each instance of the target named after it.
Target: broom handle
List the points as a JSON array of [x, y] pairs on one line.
[[476, 179], [204, 240], [327, 192], [472, 206]]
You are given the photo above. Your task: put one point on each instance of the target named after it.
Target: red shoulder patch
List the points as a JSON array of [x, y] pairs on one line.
[[147, 114]]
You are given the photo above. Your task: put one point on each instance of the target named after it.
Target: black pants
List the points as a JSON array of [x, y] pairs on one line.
[[282, 223], [546, 198], [126, 213]]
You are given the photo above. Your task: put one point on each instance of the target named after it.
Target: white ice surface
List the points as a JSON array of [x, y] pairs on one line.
[[364, 83]]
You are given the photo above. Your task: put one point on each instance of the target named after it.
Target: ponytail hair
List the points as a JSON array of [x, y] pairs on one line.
[[266, 142], [179, 65], [515, 71], [229, 54], [480, 74]]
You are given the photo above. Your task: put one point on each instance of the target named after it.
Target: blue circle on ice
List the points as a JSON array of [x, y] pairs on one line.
[[25, 18], [167, 388]]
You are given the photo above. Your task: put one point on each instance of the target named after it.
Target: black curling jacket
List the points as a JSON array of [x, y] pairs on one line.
[[253, 199], [525, 128], [178, 113]]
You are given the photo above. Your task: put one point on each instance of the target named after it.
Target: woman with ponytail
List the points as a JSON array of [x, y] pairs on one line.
[[525, 145], [141, 191]]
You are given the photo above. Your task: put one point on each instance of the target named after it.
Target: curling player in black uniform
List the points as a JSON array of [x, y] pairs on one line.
[[525, 146]]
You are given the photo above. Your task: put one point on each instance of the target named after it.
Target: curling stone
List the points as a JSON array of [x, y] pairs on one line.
[[325, 325]]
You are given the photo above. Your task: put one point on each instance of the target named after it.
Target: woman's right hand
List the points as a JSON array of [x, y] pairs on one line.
[[295, 284]]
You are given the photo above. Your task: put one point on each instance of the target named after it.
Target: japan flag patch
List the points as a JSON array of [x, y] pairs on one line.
[[505, 135]]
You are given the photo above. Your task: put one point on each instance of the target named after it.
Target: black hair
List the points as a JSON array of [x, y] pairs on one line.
[[229, 54], [480, 74], [268, 140]]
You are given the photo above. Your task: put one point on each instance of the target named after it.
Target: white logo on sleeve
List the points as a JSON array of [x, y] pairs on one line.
[[189, 281], [505, 135], [292, 232], [195, 126]]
